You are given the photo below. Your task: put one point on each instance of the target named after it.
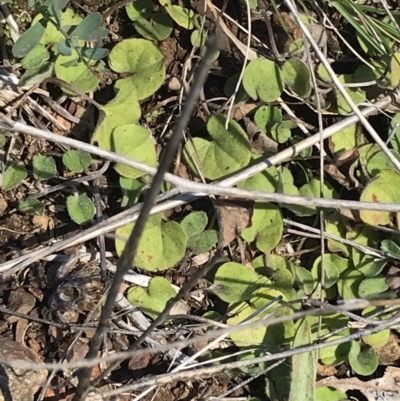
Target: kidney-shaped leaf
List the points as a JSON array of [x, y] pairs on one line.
[[363, 361], [384, 188], [81, 208], [153, 301], [161, 246], [262, 79], [266, 228], [296, 76], [228, 152], [123, 109], [135, 142], [143, 60], [234, 282]]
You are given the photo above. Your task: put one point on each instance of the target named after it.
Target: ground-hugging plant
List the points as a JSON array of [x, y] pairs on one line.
[[80, 207], [57, 42]]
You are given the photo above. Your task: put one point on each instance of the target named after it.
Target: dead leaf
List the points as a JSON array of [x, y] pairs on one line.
[[139, 362], [233, 217], [386, 388], [41, 221], [19, 301], [389, 354]]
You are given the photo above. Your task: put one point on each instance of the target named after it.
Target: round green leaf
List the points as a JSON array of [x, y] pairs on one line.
[[227, 153], [272, 335], [335, 354], [356, 94], [13, 175], [349, 283], [77, 160], [202, 242], [234, 282], [265, 216], [140, 9], [267, 116], [262, 79], [344, 139], [143, 60], [158, 28], [78, 75], [135, 142], [384, 188], [230, 86], [305, 280], [116, 115], [281, 132], [329, 394], [81, 208], [331, 270], [161, 246], [153, 301], [369, 266], [31, 206], [194, 223], [363, 361], [296, 76], [44, 167]]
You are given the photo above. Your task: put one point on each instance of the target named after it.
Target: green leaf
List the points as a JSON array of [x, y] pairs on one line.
[[202, 242], [44, 167], [384, 188], [143, 60], [161, 246], [135, 142], [153, 301], [29, 39], [344, 139], [281, 132], [363, 361], [56, 7], [13, 175], [395, 69], [262, 79], [140, 9], [77, 160], [267, 227], [81, 208], [35, 58], [116, 115], [227, 153], [329, 394], [88, 28], [182, 16], [372, 287], [304, 367], [131, 189], [234, 282], [336, 227], [279, 270], [159, 28], [31, 206], [37, 75], [267, 116], [230, 86], [296, 76], [356, 94], [335, 354], [94, 53], [348, 284], [332, 272], [305, 280], [78, 75], [194, 223], [269, 336], [388, 245], [3, 141], [52, 35], [370, 267]]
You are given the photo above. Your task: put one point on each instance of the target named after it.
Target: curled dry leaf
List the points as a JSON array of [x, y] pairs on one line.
[[233, 217]]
